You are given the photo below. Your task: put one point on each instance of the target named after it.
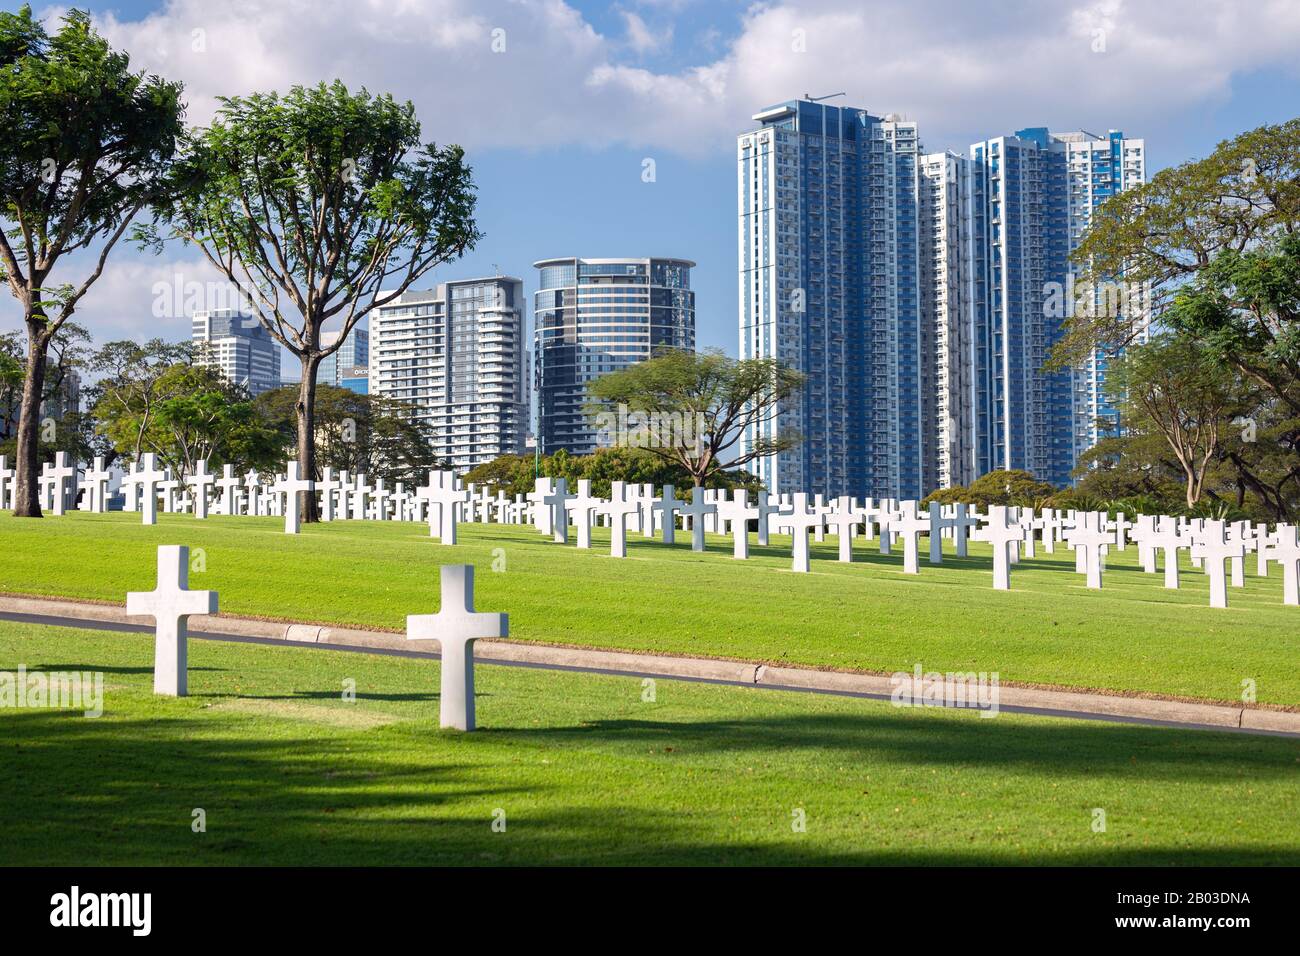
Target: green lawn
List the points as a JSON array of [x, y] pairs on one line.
[[1133, 636], [586, 771]]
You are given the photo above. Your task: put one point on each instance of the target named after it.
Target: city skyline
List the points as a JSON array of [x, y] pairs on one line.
[[1229, 74]]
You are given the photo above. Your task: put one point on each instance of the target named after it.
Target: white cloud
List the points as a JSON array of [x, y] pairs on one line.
[[963, 70], [641, 38]]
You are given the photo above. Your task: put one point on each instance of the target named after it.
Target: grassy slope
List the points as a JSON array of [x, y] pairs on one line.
[[1133, 636], [587, 772]]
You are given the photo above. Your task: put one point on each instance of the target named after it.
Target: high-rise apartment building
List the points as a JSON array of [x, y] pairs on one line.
[[456, 356], [1098, 167], [239, 346], [1021, 236], [595, 316], [920, 294], [830, 285], [1031, 201], [952, 346]]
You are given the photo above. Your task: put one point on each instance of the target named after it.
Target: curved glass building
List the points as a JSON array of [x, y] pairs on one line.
[[595, 316]]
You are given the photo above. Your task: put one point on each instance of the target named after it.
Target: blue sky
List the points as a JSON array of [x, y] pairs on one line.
[[557, 124]]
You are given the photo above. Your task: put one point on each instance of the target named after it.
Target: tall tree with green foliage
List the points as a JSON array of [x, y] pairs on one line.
[[1171, 386], [359, 433], [85, 146], [1171, 231], [186, 413], [1217, 241], [514, 474], [691, 408], [127, 375], [320, 205]]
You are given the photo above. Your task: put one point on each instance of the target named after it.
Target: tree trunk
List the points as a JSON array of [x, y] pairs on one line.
[[27, 502], [306, 409]]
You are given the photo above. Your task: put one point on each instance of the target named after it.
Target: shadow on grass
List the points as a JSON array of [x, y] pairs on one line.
[[122, 791]]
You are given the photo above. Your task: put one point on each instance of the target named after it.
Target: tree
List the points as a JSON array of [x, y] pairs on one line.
[[127, 386], [84, 147], [1000, 487], [1171, 386], [186, 413], [515, 474], [689, 408], [66, 355], [359, 433], [319, 205], [1167, 232]]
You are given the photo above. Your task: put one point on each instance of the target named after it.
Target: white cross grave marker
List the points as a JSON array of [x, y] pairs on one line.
[[1213, 547], [939, 523], [845, 520], [557, 501], [799, 521], [617, 509], [909, 523], [170, 604], [963, 522], [542, 515], [1002, 535], [766, 509], [201, 481], [61, 473], [583, 506], [1285, 550], [149, 477], [456, 627], [327, 486], [446, 498], [737, 512], [97, 481], [228, 485], [699, 510], [289, 486], [668, 506], [1090, 537], [1167, 538]]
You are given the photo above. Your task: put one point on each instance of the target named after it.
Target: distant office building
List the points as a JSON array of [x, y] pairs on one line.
[[456, 356], [355, 379], [354, 352], [829, 285], [239, 346], [596, 316]]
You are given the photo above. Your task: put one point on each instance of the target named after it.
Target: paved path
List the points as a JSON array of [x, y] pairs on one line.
[[1023, 700]]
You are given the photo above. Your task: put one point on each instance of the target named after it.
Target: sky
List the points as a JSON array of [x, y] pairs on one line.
[[559, 105]]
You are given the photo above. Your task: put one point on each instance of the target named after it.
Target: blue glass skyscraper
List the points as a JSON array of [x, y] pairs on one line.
[[828, 258]]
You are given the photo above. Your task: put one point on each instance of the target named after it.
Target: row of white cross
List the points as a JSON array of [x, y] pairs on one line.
[[455, 627], [553, 510], [1010, 531]]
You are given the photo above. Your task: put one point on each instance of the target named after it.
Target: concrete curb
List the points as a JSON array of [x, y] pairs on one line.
[[1066, 703]]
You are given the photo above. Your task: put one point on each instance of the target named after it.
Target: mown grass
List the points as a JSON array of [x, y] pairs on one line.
[[1133, 636], [585, 770]]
